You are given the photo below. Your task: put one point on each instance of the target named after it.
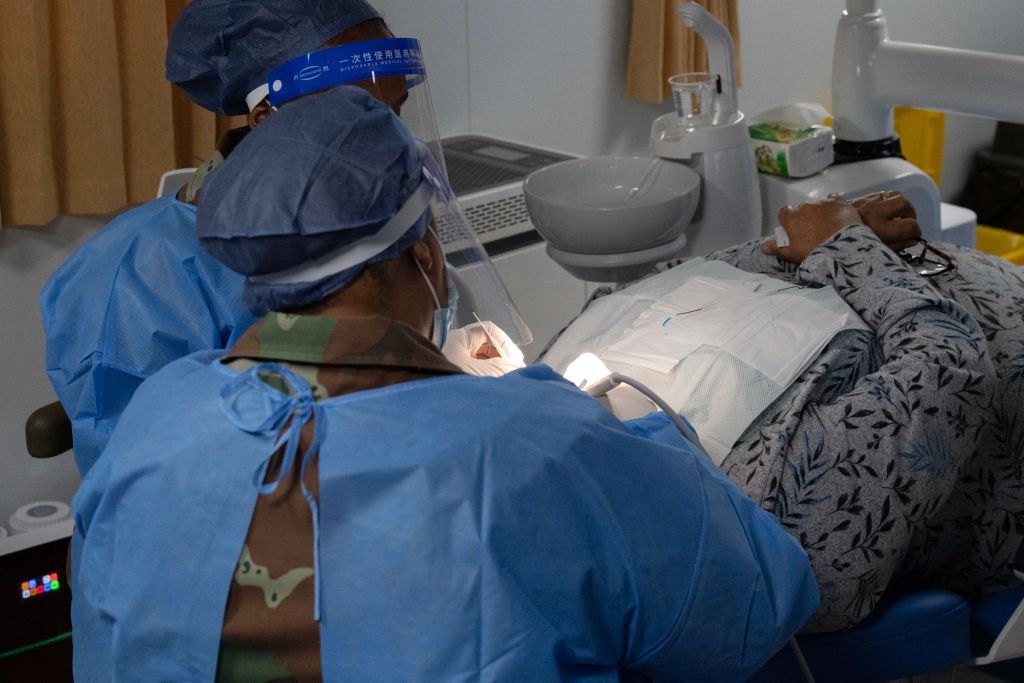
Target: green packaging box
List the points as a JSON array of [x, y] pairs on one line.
[[791, 151]]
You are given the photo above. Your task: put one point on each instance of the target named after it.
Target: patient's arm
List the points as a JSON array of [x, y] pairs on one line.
[[749, 257], [853, 472], [889, 215]]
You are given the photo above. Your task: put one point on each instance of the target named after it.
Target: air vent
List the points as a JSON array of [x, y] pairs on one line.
[[489, 217], [469, 175], [476, 163], [487, 175]]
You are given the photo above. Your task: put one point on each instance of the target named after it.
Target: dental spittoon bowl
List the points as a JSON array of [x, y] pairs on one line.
[[611, 204]]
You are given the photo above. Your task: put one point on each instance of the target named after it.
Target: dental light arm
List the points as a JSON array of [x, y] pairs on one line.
[[871, 74]]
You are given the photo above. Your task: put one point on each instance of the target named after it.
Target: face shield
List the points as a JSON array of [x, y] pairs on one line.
[[393, 71]]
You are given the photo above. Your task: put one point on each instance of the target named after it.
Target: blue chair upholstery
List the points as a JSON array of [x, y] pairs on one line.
[[906, 635], [989, 613]]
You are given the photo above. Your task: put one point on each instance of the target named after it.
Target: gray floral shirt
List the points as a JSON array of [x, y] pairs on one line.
[[898, 455]]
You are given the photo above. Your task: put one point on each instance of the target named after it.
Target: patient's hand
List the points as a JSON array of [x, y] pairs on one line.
[[891, 217], [809, 225]]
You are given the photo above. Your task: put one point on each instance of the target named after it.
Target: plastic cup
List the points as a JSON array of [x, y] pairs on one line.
[[694, 97]]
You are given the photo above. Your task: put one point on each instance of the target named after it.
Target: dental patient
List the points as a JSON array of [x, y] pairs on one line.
[[896, 455]]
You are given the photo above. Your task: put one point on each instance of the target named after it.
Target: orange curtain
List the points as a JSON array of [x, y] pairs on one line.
[[660, 45], [87, 122]]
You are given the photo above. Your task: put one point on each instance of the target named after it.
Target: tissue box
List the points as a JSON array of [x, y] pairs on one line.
[[791, 151]]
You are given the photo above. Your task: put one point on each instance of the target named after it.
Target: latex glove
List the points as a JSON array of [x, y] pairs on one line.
[[809, 225], [483, 349]]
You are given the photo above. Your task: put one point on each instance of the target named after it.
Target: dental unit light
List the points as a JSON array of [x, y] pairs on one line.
[[871, 74]]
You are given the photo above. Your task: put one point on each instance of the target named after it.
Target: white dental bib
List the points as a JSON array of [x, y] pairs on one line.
[[718, 344]]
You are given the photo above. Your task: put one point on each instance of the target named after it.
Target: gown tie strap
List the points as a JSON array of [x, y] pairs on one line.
[[253, 405]]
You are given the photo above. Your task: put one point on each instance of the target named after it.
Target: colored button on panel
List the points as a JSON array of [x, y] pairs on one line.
[[32, 583], [25, 594], [53, 576], [24, 585], [46, 579], [55, 584]]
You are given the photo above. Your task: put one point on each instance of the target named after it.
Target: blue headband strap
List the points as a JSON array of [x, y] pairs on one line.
[[367, 60]]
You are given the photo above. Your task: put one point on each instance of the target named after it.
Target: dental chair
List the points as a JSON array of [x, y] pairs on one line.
[[172, 180], [997, 628], [915, 633], [48, 431]]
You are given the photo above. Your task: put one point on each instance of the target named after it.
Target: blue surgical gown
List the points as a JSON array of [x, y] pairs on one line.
[[492, 529], [136, 296]]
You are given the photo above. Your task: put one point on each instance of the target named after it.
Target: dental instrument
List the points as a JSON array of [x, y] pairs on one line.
[[729, 303], [591, 375]]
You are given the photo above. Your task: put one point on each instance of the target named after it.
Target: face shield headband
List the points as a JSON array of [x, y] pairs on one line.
[[397, 72], [364, 61]]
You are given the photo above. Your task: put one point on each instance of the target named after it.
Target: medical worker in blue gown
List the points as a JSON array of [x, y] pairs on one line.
[[331, 497], [142, 292]]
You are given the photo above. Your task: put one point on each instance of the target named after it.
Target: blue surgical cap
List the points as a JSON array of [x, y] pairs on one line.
[[322, 173], [221, 50]]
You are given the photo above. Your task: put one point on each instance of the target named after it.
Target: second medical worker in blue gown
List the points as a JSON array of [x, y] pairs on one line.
[[142, 292], [331, 497]]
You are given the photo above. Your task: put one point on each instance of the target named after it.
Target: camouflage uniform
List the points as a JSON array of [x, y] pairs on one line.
[[269, 633]]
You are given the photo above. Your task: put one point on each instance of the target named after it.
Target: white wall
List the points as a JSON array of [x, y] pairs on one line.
[[553, 73], [440, 26], [27, 258]]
